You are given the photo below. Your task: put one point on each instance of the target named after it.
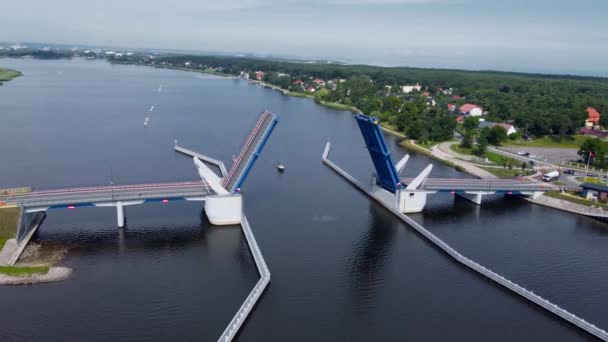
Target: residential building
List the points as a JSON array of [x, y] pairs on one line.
[[319, 82], [593, 118], [471, 109]]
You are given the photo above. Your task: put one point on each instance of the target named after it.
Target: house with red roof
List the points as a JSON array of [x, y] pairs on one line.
[[593, 118], [460, 119], [451, 107], [310, 89], [471, 109], [259, 75], [456, 97], [319, 82]]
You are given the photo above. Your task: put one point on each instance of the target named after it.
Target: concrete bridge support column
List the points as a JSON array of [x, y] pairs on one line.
[[411, 201], [120, 214], [475, 196], [224, 209]]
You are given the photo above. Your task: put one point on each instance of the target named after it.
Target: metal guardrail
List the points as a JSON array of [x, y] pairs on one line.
[[245, 309], [497, 278], [202, 157]]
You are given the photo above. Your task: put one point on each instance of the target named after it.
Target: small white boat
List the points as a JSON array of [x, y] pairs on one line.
[[145, 123], [281, 167]]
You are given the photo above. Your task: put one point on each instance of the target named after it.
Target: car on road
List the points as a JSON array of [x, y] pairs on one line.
[[523, 153], [550, 176], [569, 172]]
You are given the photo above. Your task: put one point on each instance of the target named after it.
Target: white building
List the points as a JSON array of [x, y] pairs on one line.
[[471, 109], [410, 88]]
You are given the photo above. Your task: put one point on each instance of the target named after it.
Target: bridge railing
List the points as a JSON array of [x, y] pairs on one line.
[[245, 309], [79, 199], [248, 154]]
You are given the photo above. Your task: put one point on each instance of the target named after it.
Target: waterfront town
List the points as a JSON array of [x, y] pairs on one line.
[[540, 139]]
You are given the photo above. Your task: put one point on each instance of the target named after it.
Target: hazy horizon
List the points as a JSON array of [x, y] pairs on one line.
[[558, 37]]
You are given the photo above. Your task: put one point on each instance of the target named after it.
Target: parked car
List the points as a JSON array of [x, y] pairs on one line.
[[549, 176]]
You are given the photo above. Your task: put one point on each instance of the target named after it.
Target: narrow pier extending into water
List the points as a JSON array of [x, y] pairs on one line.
[[497, 278], [241, 315]]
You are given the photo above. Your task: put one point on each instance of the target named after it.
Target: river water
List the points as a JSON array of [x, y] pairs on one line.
[[342, 267]]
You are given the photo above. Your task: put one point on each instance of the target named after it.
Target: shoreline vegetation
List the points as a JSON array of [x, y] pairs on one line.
[[9, 218], [39, 270], [8, 74]]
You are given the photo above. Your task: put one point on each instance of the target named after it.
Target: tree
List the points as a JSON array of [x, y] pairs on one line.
[[467, 139], [470, 123], [482, 145], [595, 149], [321, 94], [496, 135]]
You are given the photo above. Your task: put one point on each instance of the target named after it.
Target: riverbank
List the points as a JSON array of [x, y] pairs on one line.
[[8, 74], [32, 275]]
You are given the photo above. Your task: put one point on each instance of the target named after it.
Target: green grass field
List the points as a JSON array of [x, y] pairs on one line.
[[23, 270], [493, 157], [506, 173], [574, 141], [8, 224], [8, 74]]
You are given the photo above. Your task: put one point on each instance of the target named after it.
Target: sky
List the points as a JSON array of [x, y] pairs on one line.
[[549, 36]]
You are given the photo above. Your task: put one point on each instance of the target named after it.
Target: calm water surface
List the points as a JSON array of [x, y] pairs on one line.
[[342, 267]]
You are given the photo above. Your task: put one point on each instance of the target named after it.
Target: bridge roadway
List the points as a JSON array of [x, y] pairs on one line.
[[89, 196], [498, 185]]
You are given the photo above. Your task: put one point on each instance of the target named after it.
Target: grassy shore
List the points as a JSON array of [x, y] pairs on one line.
[[491, 156], [574, 141], [338, 106], [20, 271], [9, 218], [8, 74], [298, 94], [408, 145], [571, 197]]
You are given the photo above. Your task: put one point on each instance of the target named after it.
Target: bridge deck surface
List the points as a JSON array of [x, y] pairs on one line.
[[110, 193], [463, 184]]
